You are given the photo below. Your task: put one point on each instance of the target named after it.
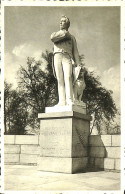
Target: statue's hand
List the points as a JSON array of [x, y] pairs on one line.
[[60, 36]]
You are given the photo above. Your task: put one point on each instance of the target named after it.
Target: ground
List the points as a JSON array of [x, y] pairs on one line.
[[22, 177]]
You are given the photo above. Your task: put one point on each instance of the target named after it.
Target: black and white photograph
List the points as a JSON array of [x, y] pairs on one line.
[[62, 97]]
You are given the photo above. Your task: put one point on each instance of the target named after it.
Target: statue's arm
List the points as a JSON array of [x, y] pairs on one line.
[[60, 35], [75, 52]]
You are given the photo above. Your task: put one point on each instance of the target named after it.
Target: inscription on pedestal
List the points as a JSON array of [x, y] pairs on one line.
[[55, 139], [59, 131]]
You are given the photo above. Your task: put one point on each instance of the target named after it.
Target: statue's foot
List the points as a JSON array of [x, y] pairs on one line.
[[60, 104]]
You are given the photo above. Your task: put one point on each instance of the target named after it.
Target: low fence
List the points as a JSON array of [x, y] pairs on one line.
[[104, 151], [21, 149]]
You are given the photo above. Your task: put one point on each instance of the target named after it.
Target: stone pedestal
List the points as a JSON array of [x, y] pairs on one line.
[[63, 141]]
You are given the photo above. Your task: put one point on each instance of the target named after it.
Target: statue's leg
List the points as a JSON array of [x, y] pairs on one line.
[[60, 78], [67, 69]]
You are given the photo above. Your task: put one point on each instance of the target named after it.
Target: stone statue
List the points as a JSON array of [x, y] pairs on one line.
[[66, 57]]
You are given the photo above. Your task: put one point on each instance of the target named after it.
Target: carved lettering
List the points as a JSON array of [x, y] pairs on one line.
[[54, 131]]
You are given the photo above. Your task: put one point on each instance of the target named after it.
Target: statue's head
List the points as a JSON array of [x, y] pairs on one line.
[[64, 23]]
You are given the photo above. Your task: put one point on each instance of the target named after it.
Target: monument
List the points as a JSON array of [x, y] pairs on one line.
[[64, 128]]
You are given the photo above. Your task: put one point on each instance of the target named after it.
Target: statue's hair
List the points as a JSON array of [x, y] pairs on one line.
[[67, 20]]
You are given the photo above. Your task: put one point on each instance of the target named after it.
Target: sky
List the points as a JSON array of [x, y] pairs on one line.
[[27, 31]]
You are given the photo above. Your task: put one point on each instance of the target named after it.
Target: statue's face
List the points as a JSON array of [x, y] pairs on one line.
[[63, 24]]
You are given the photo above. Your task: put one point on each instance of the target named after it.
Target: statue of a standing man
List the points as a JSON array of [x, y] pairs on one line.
[[65, 56]]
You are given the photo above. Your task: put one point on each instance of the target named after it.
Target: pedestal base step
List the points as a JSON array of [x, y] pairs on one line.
[[64, 165]]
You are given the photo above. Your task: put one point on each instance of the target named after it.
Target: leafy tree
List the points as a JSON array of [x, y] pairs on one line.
[[7, 97], [38, 87], [99, 101], [15, 111], [112, 126]]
